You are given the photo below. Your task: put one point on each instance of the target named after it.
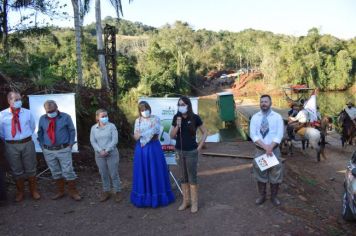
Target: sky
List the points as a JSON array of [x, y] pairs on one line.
[[292, 17]]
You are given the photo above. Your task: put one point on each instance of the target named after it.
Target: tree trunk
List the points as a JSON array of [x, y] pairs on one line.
[[78, 39], [5, 30], [100, 46]]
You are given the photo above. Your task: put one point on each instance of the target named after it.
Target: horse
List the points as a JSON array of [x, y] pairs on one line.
[[313, 137], [348, 132]]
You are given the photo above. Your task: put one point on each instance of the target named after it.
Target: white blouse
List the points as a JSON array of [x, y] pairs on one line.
[[147, 127]]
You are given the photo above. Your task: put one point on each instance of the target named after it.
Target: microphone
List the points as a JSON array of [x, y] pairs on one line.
[[179, 120]]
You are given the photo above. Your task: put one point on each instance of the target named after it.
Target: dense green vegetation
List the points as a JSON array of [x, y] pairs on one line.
[[173, 58]]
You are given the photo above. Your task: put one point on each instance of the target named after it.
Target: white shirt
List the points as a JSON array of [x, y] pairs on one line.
[[276, 128], [351, 112], [27, 123], [302, 116]]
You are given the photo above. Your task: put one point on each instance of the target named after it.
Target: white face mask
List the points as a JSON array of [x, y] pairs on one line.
[[18, 104], [145, 113], [52, 114], [183, 109]]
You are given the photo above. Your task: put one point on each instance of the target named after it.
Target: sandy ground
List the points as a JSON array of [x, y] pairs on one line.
[[310, 194]]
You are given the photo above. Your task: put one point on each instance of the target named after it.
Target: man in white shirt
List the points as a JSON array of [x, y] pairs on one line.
[[266, 131], [16, 128], [295, 123], [350, 109]]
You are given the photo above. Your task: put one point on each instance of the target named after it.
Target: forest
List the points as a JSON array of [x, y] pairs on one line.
[[175, 58]]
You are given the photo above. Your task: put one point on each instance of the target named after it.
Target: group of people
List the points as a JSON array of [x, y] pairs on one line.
[[56, 136]]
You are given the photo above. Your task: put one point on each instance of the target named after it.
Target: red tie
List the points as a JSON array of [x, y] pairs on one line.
[[15, 121], [51, 131]]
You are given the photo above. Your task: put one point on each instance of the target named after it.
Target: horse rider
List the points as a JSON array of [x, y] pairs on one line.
[[299, 121], [350, 110], [294, 109]]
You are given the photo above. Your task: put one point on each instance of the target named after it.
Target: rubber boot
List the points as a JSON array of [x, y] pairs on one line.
[[20, 188], [73, 192], [274, 192], [262, 191], [104, 196], [60, 189], [33, 187], [194, 198], [186, 197]]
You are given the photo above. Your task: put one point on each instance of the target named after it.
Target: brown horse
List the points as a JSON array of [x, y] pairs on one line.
[[348, 132]]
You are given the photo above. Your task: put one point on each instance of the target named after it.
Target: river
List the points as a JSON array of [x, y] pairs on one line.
[[330, 104]]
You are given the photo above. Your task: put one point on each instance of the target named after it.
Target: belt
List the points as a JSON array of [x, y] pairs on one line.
[[25, 140], [58, 147], [260, 148]]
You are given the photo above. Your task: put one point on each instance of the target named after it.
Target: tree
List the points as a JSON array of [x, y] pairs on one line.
[[46, 7], [80, 8]]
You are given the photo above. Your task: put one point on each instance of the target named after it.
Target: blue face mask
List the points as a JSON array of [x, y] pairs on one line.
[[104, 120], [17, 104], [52, 114]]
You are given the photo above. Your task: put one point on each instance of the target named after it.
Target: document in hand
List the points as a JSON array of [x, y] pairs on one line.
[[265, 162]]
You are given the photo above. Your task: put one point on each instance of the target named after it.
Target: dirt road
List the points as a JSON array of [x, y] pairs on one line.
[[310, 194]]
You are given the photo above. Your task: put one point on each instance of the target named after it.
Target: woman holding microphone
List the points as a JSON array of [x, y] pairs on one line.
[[184, 127]]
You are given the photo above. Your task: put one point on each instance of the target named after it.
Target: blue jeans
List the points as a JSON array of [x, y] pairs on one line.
[[60, 163], [109, 168]]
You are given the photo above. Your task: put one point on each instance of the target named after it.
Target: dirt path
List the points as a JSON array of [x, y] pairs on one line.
[[311, 203]]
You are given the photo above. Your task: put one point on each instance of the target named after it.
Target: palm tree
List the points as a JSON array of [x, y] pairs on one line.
[[80, 8]]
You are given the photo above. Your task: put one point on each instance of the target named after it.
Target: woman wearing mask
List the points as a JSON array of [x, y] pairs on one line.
[[104, 138], [151, 186], [184, 127]]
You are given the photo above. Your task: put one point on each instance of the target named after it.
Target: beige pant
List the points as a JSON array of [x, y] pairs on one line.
[[21, 158], [273, 175]]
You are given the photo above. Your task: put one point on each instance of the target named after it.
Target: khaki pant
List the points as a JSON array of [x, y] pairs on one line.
[[273, 175], [21, 158]]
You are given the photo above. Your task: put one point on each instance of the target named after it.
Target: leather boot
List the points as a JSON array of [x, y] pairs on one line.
[[274, 192], [262, 191], [60, 189], [186, 197], [72, 190], [20, 188], [118, 197], [194, 198], [33, 187], [104, 196]]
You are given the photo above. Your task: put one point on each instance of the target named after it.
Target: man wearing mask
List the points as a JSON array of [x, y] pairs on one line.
[[56, 135], [266, 131], [16, 128], [351, 111]]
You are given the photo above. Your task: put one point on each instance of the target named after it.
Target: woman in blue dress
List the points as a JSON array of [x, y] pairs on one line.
[[151, 186]]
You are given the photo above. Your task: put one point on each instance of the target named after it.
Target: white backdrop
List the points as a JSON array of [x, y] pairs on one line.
[[65, 102]]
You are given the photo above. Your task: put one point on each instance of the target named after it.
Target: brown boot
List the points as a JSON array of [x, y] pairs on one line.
[[20, 188], [186, 197], [60, 189], [104, 196], [72, 190], [262, 191], [274, 192], [33, 187], [118, 197], [194, 198]]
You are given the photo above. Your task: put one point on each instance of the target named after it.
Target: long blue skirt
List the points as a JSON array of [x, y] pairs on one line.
[[151, 186]]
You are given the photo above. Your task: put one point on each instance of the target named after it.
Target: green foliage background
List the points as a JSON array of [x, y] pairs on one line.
[[172, 59]]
